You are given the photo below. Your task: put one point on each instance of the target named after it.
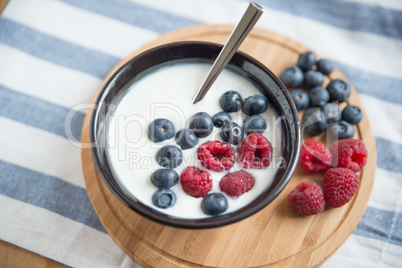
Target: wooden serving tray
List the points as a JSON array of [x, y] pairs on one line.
[[273, 237]]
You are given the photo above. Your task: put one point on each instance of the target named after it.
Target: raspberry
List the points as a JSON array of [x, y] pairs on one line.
[[216, 155], [255, 151], [196, 182], [307, 199], [340, 184], [349, 153], [236, 183], [315, 156]]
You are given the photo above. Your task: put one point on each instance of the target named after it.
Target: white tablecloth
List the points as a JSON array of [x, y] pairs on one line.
[[54, 55]]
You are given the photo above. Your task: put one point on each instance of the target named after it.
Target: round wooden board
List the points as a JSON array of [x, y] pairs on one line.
[[273, 237]]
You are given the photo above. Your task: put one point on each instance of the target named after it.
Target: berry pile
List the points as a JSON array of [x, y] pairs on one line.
[[321, 103], [340, 181], [254, 151]]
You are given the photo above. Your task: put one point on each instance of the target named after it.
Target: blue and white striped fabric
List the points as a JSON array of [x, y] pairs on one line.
[[55, 53]]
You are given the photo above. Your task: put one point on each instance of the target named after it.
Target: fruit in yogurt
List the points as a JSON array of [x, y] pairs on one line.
[[255, 151], [255, 104], [237, 183], [214, 204], [201, 124], [164, 198], [169, 156], [254, 124], [217, 156], [186, 139], [232, 133], [221, 118], [231, 101], [161, 129], [196, 182], [164, 178]]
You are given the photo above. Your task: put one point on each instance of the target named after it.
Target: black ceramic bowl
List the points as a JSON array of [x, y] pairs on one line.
[[202, 52]]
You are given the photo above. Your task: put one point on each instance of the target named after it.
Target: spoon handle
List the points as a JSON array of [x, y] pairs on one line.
[[247, 22]]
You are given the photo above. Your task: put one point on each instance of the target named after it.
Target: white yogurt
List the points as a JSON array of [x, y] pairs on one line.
[[168, 93]]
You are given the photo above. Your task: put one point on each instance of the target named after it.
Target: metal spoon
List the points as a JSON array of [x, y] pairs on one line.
[[247, 22]]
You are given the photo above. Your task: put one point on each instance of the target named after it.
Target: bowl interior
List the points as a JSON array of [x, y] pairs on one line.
[[263, 79]]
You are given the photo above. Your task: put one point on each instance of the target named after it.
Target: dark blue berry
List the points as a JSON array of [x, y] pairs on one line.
[[232, 133], [186, 139], [332, 113], [161, 129], [164, 198], [300, 98], [306, 60], [202, 124], [325, 66], [214, 204], [341, 130], [255, 104], [338, 90], [164, 178], [231, 101], [314, 122], [352, 114], [318, 96], [313, 79], [292, 76], [221, 118], [169, 156], [254, 124]]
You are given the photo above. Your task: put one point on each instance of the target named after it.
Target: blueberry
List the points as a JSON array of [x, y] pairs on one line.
[[313, 79], [306, 60], [314, 122], [186, 139], [221, 118], [292, 76], [255, 104], [300, 98], [332, 113], [202, 124], [164, 198], [352, 114], [338, 90], [341, 130], [232, 133], [214, 204], [169, 156], [318, 96], [161, 129], [325, 66], [254, 124], [231, 101], [164, 178]]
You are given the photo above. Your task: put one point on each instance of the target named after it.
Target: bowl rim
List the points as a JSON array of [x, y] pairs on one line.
[[157, 216]]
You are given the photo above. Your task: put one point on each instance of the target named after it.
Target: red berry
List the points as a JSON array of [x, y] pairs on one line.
[[349, 153], [255, 151], [216, 155], [307, 199], [340, 184], [315, 156], [236, 183], [196, 182]]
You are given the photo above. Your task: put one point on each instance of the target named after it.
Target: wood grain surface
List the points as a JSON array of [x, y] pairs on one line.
[[274, 236]]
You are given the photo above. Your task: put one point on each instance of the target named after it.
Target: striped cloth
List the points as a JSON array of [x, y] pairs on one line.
[[55, 53]]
